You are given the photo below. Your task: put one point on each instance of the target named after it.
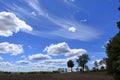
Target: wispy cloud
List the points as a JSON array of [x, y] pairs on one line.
[[83, 32]]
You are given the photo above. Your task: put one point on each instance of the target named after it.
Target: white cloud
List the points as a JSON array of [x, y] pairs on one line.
[[63, 48], [59, 48], [39, 57], [33, 13], [84, 20], [76, 52], [72, 58], [98, 61], [10, 23], [23, 56], [57, 61], [36, 6], [14, 49], [43, 67], [1, 58], [69, 0], [72, 29], [23, 62], [6, 64]]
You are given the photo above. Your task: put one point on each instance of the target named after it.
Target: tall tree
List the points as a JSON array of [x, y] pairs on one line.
[[70, 64], [113, 53], [82, 60], [96, 65]]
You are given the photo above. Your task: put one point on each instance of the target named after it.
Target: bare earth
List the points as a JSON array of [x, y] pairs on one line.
[[62, 76]]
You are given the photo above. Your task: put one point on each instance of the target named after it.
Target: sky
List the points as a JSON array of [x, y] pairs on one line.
[[42, 35]]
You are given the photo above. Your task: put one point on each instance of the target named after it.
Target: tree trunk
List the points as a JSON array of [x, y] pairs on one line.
[[71, 69]]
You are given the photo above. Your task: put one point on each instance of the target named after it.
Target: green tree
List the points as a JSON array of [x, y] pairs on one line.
[[102, 68], [70, 64], [103, 61], [113, 53], [96, 65], [86, 68], [82, 61]]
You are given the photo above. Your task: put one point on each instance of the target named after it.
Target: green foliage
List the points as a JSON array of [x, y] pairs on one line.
[[70, 64], [102, 68], [86, 68], [96, 65], [82, 61], [119, 8], [118, 24], [113, 53], [103, 61]]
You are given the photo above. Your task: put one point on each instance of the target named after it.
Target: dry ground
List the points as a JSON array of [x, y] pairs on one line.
[[61, 76]]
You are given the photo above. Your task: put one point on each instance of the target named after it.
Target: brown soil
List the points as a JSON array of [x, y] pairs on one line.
[[62, 76]]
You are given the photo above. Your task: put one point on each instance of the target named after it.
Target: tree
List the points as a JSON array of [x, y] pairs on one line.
[[113, 53], [70, 64], [102, 68], [103, 61], [82, 60], [86, 68], [96, 65]]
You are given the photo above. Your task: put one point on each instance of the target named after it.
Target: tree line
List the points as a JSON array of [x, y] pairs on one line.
[[82, 63]]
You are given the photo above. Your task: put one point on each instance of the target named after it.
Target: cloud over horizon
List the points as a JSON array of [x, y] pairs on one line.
[[39, 57], [13, 49]]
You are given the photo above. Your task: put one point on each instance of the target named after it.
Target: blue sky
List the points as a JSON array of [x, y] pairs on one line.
[[45, 34]]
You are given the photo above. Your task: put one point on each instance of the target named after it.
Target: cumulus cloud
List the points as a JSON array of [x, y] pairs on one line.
[[14, 49], [10, 23], [23, 62], [55, 49], [72, 29], [77, 52], [63, 48], [39, 57]]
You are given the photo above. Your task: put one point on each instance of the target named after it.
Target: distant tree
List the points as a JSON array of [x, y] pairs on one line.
[[96, 65], [103, 61], [86, 68], [82, 60], [70, 64], [93, 69], [113, 53], [102, 68]]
